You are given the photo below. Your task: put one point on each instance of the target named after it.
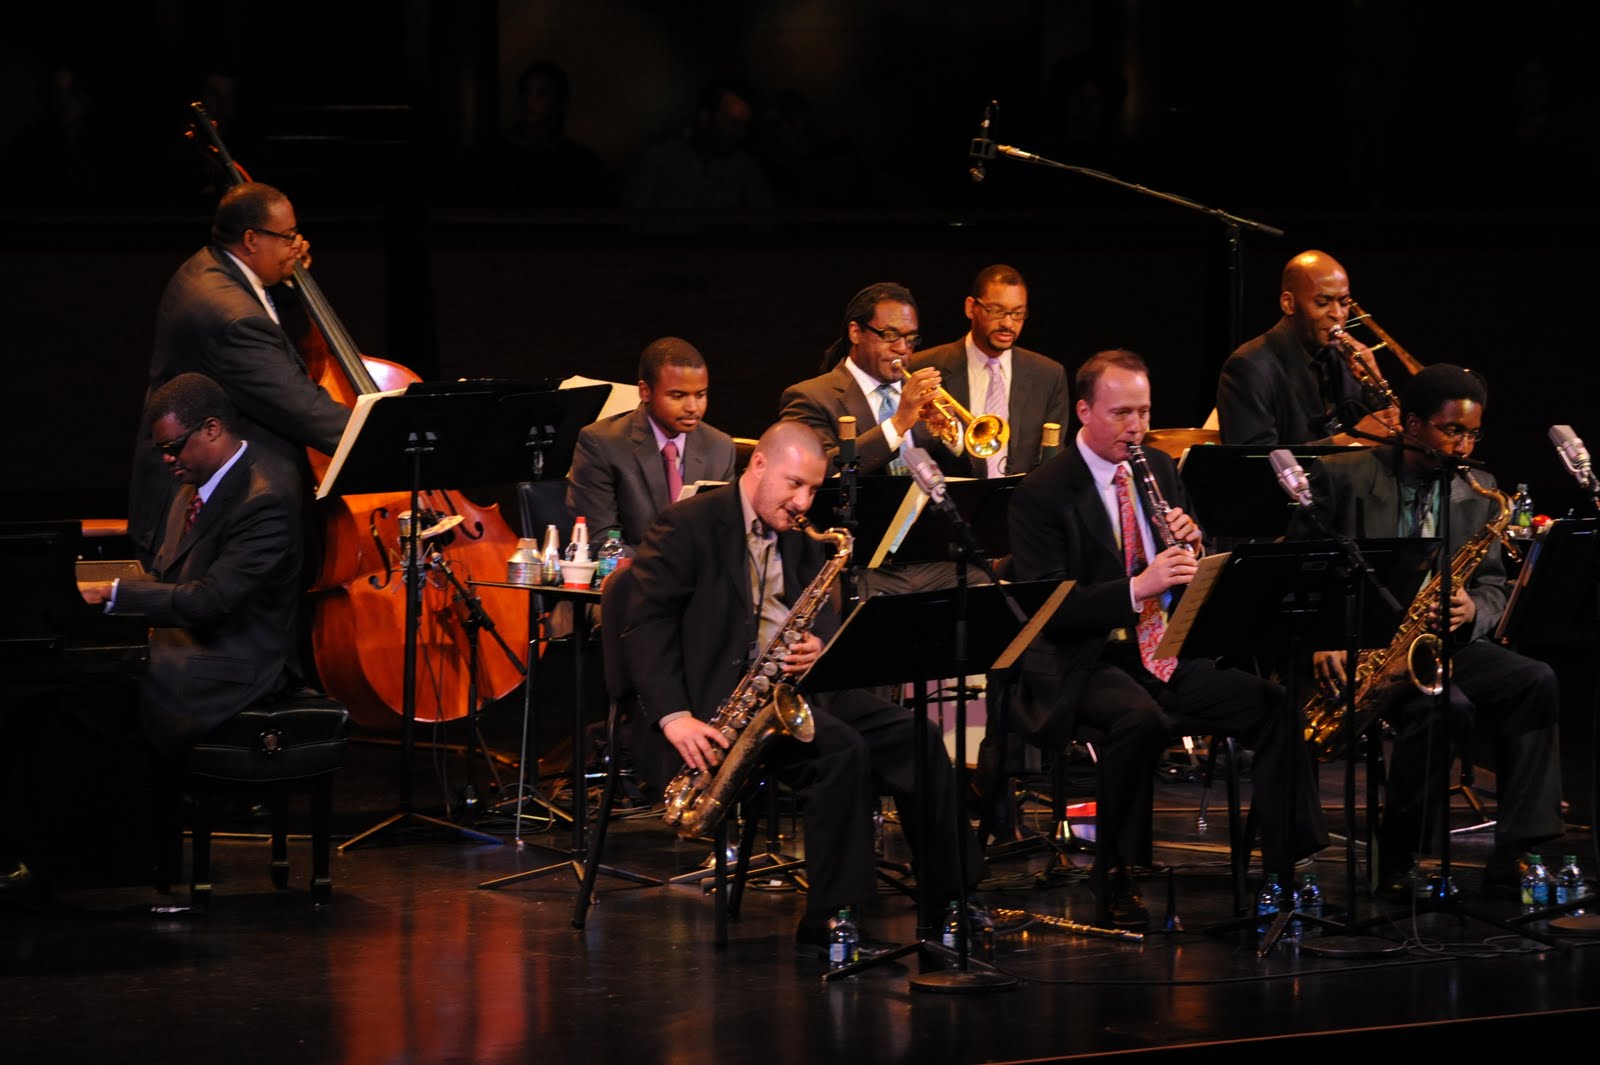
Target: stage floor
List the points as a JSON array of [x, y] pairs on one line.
[[413, 962]]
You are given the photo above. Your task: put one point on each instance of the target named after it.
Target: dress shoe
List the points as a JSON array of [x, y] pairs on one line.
[[1125, 908]]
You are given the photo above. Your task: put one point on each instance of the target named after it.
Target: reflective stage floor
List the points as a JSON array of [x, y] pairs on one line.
[[413, 962]]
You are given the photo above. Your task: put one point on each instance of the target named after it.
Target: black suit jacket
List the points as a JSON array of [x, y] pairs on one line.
[[1269, 393], [223, 603], [820, 401], [1038, 395], [617, 478], [1358, 494], [210, 322], [1060, 531]]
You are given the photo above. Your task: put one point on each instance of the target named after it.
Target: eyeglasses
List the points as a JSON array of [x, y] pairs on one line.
[[292, 238], [1454, 432], [893, 336], [999, 314], [175, 446]]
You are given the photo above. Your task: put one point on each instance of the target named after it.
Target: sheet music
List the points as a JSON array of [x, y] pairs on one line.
[[696, 486], [352, 430], [623, 397], [910, 507], [1194, 597]]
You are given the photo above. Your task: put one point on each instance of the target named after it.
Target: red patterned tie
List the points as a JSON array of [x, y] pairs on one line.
[[193, 513], [669, 460], [1152, 624]]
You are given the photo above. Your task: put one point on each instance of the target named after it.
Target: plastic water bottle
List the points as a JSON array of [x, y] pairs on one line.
[[951, 936], [1570, 885], [578, 545], [1535, 884], [1268, 901], [1522, 514], [843, 940], [1309, 900], [610, 552]]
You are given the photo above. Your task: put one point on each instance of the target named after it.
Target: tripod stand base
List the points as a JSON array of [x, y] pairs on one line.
[[1351, 947], [410, 819], [956, 982]]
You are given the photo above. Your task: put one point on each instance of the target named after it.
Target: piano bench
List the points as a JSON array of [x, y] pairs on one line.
[[288, 744]]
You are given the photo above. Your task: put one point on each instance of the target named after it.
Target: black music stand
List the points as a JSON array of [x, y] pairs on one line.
[[1235, 490], [434, 435], [854, 658], [1294, 597]]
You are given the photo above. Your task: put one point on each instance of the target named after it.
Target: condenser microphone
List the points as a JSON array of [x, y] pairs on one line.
[[982, 149], [1574, 456], [927, 473], [1291, 476]]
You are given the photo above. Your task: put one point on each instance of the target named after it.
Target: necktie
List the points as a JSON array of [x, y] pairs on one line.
[[996, 402], [1152, 625], [272, 308], [890, 402], [193, 513], [669, 460]]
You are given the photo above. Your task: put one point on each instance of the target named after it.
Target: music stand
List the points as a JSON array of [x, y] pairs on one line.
[[430, 436], [1294, 597], [854, 658], [1236, 493]]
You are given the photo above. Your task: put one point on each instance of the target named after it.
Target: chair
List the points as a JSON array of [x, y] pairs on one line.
[[287, 744]]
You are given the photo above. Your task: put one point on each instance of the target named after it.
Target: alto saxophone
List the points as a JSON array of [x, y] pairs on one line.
[[1382, 675], [761, 707]]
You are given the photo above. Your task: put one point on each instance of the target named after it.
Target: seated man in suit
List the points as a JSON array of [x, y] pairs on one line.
[[880, 327], [222, 604], [629, 467], [715, 580], [1292, 384], [1079, 517], [1393, 491], [987, 374]]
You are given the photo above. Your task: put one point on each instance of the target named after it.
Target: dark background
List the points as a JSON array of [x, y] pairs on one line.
[[1446, 159]]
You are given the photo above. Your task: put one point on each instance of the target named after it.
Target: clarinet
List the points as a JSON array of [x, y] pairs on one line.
[[1154, 503]]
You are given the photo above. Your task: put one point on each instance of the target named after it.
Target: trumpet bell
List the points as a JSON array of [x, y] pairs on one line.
[[987, 435]]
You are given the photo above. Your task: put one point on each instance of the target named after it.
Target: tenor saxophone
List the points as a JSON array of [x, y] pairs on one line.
[[762, 706], [1413, 658]]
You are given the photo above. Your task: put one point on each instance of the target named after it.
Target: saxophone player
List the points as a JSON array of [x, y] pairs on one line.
[[1390, 491], [714, 580]]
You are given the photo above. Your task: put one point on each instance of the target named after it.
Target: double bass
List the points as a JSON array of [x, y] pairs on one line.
[[359, 594]]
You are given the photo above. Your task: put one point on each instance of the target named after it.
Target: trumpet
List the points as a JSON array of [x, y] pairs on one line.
[[984, 436]]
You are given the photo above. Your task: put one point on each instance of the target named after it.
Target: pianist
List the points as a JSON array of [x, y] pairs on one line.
[[222, 605]]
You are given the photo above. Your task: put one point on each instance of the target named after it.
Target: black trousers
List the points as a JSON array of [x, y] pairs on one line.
[[1518, 699], [1135, 716]]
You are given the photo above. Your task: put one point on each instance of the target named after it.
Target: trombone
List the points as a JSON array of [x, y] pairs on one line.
[[1363, 369], [984, 436]]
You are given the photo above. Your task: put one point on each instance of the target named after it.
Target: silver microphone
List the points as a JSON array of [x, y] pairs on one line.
[[1574, 456], [926, 472], [1291, 476], [982, 149]]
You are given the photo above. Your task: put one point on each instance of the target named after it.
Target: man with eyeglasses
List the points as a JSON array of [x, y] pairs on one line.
[[1292, 384], [222, 604], [1393, 491], [987, 373], [218, 317], [879, 330]]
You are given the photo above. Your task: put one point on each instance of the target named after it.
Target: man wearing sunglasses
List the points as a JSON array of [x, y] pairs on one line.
[[987, 373], [219, 317], [1390, 491]]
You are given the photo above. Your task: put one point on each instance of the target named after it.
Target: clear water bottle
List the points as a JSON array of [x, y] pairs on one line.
[[578, 544], [525, 566], [1522, 514], [609, 554], [1570, 885], [550, 555], [951, 936], [1268, 901], [1535, 884], [1309, 899], [843, 940]]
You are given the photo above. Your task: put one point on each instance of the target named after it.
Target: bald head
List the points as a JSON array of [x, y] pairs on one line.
[[790, 434], [788, 464], [1315, 296]]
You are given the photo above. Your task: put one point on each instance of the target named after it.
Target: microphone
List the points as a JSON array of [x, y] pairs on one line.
[[927, 474], [982, 149], [1291, 476], [1574, 456]]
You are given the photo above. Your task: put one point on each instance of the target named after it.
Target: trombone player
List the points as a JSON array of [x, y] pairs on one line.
[[1292, 384]]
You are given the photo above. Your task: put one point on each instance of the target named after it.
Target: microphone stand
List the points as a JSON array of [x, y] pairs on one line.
[[844, 515], [1233, 225], [965, 550]]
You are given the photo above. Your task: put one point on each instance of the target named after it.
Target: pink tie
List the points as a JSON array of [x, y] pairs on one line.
[[1152, 625], [669, 459], [193, 513]]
